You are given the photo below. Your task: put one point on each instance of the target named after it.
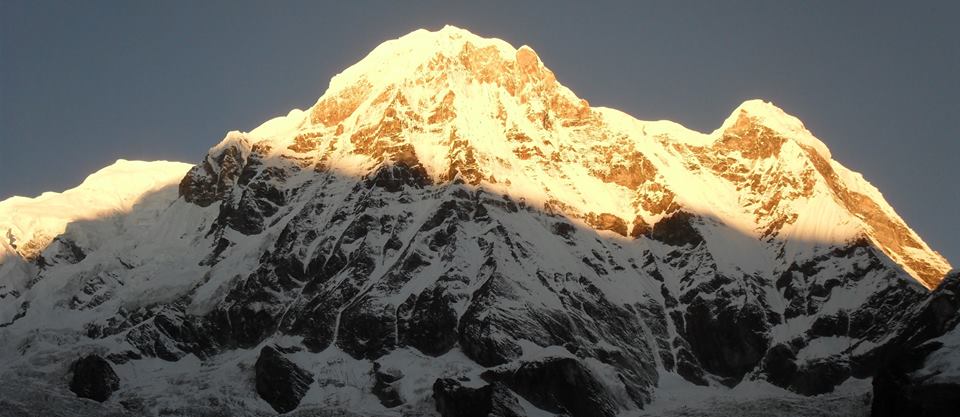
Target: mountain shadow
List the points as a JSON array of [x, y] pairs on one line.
[[393, 264]]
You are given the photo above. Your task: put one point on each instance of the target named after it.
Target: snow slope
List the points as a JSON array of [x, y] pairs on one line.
[[31, 225]]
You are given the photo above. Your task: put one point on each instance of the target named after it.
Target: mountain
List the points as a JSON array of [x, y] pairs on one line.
[[450, 231], [93, 210]]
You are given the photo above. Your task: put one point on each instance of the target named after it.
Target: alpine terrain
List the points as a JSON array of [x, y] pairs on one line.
[[449, 231]]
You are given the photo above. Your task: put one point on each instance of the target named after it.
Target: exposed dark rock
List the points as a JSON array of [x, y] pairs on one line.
[[172, 334], [779, 365], [432, 323], [250, 212], [123, 357], [938, 315], [405, 170], [689, 368], [367, 329], [489, 332], [209, 181], [559, 385], [836, 325], [655, 318], [93, 378], [247, 188], [359, 227], [249, 314], [454, 400], [384, 385], [897, 393], [820, 376], [908, 383], [728, 341], [563, 229], [317, 327], [448, 210], [677, 230], [280, 382], [482, 337]]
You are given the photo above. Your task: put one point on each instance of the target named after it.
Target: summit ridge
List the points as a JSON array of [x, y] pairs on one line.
[[450, 93]]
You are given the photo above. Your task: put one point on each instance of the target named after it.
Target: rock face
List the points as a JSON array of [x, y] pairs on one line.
[[919, 376], [93, 378], [448, 210], [560, 385], [455, 400], [384, 386], [280, 382]]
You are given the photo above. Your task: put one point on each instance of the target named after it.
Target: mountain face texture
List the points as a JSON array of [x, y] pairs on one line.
[[450, 231], [93, 378], [920, 375]]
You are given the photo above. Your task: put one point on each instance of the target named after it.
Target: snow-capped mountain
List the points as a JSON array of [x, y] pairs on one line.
[[450, 231], [95, 212]]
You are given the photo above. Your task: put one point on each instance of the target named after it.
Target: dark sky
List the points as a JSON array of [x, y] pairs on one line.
[[83, 83]]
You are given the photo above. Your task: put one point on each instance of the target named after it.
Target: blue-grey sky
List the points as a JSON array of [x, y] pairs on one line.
[[83, 83]]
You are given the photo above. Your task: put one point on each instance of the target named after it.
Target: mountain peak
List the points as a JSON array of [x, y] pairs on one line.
[[765, 113], [451, 31], [436, 73], [451, 105], [399, 57]]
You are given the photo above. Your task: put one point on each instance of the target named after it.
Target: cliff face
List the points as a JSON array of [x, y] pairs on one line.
[[920, 374], [448, 223]]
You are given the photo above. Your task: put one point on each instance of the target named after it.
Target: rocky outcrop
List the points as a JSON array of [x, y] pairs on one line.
[[280, 382], [607, 221], [384, 386], [779, 365], [677, 230], [93, 378], [727, 341], [559, 385], [820, 376], [919, 376], [211, 180], [455, 400], [896, 393], [482, 337], [428, 321], [170, 335]]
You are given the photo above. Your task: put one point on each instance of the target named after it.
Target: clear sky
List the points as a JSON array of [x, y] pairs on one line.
[[83, 83]]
